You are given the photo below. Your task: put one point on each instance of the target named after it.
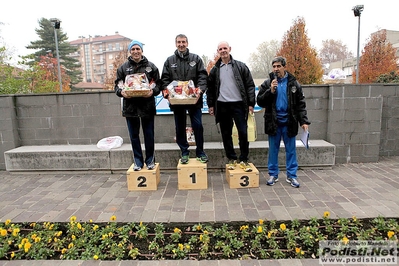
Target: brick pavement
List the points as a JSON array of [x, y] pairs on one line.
[[361, 190]]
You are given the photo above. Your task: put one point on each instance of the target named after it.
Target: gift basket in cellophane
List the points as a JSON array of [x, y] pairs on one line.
[[136, 85], [183, 92]]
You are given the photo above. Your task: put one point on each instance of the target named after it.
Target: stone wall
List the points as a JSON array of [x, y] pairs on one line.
[[361, 120]]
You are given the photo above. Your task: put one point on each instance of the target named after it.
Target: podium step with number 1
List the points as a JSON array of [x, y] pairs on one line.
[[192, 175]]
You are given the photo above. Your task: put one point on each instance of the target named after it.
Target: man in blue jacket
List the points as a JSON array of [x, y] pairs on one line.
[[282, 97]]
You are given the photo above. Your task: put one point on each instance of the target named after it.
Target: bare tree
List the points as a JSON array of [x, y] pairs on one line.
[[334, 50], [260, 61]]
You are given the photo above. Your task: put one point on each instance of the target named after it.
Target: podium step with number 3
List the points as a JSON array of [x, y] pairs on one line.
[[238, 178]]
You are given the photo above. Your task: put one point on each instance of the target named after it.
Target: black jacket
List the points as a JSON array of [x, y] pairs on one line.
[[188, 67], [138, 106], [243, 80], [296, 106]]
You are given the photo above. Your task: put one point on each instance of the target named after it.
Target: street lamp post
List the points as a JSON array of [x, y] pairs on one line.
[[357, 10], [56, 25]]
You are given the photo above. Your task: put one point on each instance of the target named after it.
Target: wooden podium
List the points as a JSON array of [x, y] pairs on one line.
[[144, 179], [238, 178], [192, 175]]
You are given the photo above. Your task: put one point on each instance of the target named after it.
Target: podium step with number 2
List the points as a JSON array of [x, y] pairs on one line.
[[143, 179]]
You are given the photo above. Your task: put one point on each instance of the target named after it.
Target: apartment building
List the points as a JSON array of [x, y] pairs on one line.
[[96, 55]]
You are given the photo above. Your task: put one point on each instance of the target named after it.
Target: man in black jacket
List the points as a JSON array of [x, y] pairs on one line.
[[186, 66], [282, 97], [137, 109], [230, 97]]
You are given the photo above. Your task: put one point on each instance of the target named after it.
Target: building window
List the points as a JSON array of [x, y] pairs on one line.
[[111, 56], [87, 63]]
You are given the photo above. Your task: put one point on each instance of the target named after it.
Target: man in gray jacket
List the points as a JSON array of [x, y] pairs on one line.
[[230, 97]]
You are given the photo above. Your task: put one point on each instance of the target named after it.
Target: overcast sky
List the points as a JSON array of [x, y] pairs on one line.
[[244, 24]]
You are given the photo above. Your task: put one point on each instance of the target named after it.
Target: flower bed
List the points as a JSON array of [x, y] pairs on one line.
[[139, 241]]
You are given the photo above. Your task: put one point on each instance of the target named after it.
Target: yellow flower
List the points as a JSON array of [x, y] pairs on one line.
[[95, 227], [244, 227], [73, 237], [15, 231], [354, 218], [64, 250], [390, 234], [3, 232], [326, 214], [79, 226], [181, 246], [73, 218], [141, 223], [260, 221], [70, 245], [12, 254], [8, 221], [200, 237], [110, 234], [283, 227], [297, 250], [113, 218], [27, 246], [24, 240], [199, 227], [176, 230], [90, 221], [345, 240], [59, 233], [37, 239], [95, 257], [32, 224], [188, 247], [260, 229], [205, 232]]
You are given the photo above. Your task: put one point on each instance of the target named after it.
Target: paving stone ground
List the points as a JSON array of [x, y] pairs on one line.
[[363, 190]]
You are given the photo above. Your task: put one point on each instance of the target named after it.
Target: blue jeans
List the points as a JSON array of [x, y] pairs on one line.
[[133, 125], [290, 152], [180, 116], [227, 112]]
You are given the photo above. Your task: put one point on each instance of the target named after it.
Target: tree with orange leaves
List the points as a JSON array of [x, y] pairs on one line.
[[211, 63], [44, 76], [302, 59], [378, 58]]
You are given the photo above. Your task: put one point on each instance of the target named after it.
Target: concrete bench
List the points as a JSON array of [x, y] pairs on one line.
[[321, 154]]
